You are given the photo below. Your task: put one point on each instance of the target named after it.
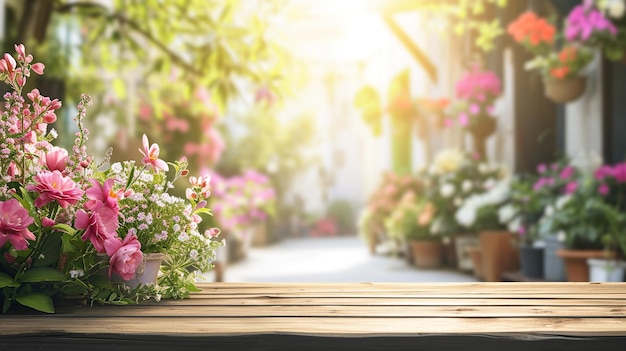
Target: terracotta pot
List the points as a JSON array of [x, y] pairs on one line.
[[499, 254], [476, 255], [576, 268], [427, 253], [564, 90], [146, 273]]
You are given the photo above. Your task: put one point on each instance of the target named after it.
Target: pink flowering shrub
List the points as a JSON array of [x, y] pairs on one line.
[[244, 199], [67, 223]]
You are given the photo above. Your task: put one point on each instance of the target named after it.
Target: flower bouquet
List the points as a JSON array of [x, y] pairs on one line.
[[70, 226]]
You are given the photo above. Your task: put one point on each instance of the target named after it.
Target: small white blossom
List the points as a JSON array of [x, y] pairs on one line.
[[458, 201], [116, 168], [157, 297], [76, 273], [467, 185], [483, 168], [489, 183], [616, 8], [193, 254], [447, 190]]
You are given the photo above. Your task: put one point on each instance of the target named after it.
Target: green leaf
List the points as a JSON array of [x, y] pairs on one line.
[[37, 301], [42, 274], [192, 287], [64, 228], [5, 281]]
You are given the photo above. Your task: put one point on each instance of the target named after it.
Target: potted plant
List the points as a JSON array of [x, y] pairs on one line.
[[578, 217], [480, 213], [451, 180], [69, 224], [560, 69], [477, 91], [610, 182], [427, 247], [522, 215], [599, 24]]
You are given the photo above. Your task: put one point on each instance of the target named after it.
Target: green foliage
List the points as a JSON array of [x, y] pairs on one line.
[[342, 212], [368, 101], [221, 45]]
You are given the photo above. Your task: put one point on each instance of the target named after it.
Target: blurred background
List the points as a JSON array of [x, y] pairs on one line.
[[300, 110]]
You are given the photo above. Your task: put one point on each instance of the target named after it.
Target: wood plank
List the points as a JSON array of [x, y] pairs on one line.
[[418, 288], [142, 311], [315, 326], [425, 295], [357, 301]]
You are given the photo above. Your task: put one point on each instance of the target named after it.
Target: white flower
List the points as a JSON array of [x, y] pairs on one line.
[[616, 8], [506, 213], [447, 190], [448, 161], [561, 236], [562, 201], [467, 185], [489, 183], [76, 273], [116, 168], [483, 168], [193, 254], [458, 201], [515, 225], [548, 211], [54, 133]]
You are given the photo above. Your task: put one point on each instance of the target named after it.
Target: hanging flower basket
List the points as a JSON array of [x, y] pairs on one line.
[[564, 90]]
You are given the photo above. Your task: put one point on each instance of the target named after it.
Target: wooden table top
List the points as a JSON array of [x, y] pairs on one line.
[[335, 311]]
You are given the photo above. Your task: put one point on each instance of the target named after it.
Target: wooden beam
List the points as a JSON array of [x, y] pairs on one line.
[[415, 51]]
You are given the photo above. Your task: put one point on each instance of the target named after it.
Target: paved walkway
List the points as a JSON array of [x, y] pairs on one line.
[[334, 259]]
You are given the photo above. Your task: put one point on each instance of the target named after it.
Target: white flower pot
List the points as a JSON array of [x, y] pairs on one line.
[[601, 270]]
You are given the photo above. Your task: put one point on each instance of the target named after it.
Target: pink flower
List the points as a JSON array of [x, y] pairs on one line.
[[53, 186], [463, 119], [567, 172], [125, 255], [603, 189], [448, 122], [38, 68], [14, 222], [603, 172], [56, 159], [571, 187], [619, 172], [21, 51], [102, 194], [542, 168], [151, 156], [99, 225], [47, 222], [212, 233], [474, 109]]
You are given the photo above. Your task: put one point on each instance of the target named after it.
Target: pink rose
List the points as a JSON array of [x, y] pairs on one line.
[[125, 255], [56, 159]]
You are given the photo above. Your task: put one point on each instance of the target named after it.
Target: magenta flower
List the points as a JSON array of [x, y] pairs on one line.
[[56, 159], [571, 187], [602, 172], [582, 22], [151, 156], [125, 255], [567, 172], [478, 85], [14, 222], [99, 225], [53, 186], [102, 194], [619, 172], [603, 189], [542, 168]]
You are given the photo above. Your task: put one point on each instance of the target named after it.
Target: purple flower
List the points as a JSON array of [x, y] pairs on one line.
[[582, 22]]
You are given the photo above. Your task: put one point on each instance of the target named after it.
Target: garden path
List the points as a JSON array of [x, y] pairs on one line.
[[329, 259]]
